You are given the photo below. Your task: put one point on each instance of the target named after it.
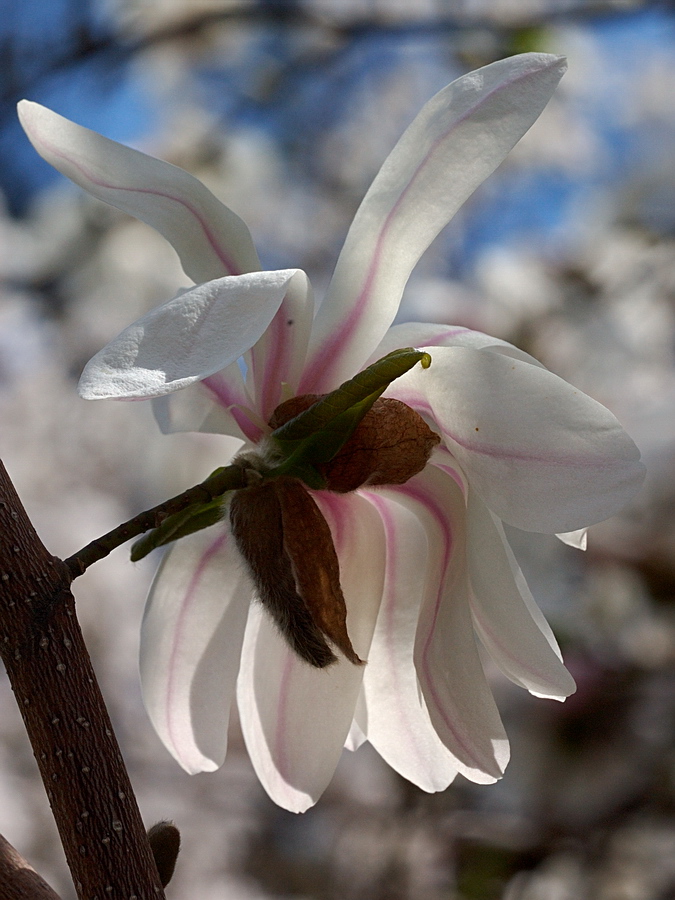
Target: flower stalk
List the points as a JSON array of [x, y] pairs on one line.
[[222, 480]]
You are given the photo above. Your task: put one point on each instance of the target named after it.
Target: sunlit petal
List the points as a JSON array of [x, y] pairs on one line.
[[191, 640], [512, 637], [577, 539], [456, 141], [542, 455], [189, 338], [209, 238], [396, 719], [450, 673], [296, 718]]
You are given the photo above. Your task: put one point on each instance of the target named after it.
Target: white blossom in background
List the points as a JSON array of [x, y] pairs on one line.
[[424, 565]]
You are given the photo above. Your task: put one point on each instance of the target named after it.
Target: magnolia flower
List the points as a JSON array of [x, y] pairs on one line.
[[424, 565]]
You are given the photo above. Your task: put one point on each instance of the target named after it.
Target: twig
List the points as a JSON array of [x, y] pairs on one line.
[[18, 879], [228, 479], [67, 723]]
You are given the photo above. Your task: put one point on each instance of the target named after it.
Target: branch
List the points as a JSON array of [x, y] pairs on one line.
[[18, 879], [67, 723], [214, 486]]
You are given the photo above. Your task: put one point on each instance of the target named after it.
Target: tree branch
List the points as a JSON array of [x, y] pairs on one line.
[[68, 725], [18, 879], [215, 485]]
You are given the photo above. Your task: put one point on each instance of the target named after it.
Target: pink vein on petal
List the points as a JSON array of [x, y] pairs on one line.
[[390, 579], [419, 402], [333, 508], [330, 351], [573, 460], [449, 332], [186, 606], [226, 397], [275, 362], [427, 500], [229, 265]]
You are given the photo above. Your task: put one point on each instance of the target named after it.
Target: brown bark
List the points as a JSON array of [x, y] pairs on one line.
[[68, 725], [18, 879]]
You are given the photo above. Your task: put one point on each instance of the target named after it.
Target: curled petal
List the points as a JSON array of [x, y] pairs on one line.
[[295, 718], [541, 454], [450, 673], [191, 639], [187, 339], [209, 238], [523, 647], [396, 719], [456, 141]]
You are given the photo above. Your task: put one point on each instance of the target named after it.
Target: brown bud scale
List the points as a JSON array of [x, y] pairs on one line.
[[288, 548]]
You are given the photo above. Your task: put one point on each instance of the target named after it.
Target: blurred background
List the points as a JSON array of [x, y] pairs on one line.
[[286, 110]]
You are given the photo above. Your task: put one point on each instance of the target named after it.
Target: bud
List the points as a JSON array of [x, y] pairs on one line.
[[390, 444], [164, 840]]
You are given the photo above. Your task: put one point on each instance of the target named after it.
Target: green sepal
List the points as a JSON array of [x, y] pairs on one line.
[[316, 435]]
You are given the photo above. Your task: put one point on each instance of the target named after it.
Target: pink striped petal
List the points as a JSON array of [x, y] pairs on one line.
[[276, 361], [396, 718], [209, 238], [217, 405], [191, 639], [522, 646], [295, 718], [456, 141], [450, 673], [188, 339], [426, 334], [542, 455]]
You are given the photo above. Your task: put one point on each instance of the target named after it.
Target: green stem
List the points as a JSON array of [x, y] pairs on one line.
[[229, 479]]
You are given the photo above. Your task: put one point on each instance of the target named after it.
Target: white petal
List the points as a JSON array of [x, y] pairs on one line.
[[426, 334], [295, 718], [577, 539], [356, 737], [542, 455], [276, 361], [450, 673], [505, 625], [191, 640], [396, 719], [209, 238], [457, 140], [194, 408], [187, 339], [219, 404]]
